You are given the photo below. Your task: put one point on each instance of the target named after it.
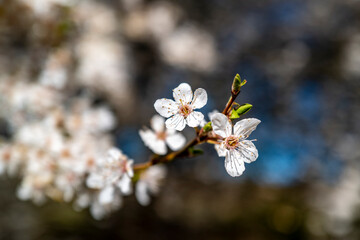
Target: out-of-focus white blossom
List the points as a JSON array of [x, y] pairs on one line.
[[181, 111], [234, 146], [55, 73], [22, 97], [339, 203], [112, 177], [55, 146], [189, 47], [43, 8], [102, 55], [157, 20], [157, 138], [351, 61], [149, 183], [39, 175]]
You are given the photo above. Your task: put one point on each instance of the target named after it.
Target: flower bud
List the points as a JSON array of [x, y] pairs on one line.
[[235, 89], [244, 108], [207, 127]]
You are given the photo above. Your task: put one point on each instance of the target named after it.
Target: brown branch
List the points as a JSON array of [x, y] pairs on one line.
[[230, 103], [169, 157]]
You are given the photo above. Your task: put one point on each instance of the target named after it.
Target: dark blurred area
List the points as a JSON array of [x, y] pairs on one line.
[[301, 60]]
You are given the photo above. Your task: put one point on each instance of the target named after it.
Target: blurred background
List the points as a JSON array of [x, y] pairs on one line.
[[302, 63]]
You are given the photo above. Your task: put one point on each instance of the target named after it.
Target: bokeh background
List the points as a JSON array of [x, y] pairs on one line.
[[301, 60]]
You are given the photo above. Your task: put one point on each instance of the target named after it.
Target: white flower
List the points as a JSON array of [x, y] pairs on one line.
[[234, 145], [149, 182], [181, 111], [112, 176], [156, 140]]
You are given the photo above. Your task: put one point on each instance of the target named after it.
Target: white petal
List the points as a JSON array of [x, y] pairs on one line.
[[245, 127], [68, 194], [203, 123], [82, 201], [150, 140], [175, 141], [95, 181], [159, 147], [157, 123], [166, 107], [106, 195], [221, 125], [147, 136], [142, 194], [97, 211], [212, 113], [183, 93], [24, 192], [194, 119], [114, 153], [125, 185], [234, 164], [221, 150], [176, 122], [248, 151], [200, 98], [129, 168]]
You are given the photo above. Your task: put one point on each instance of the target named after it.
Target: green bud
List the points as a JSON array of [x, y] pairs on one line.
[[243, 83], [207, 127], [244, 108], [234, 115], [235, 89]]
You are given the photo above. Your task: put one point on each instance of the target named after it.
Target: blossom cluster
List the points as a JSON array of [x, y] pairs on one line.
[[66, 153]]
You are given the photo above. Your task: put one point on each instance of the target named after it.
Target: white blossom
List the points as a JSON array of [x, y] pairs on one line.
[[157, 138], [39, 175], [234, 145], [181, 111], [112, 177], [149, 183]]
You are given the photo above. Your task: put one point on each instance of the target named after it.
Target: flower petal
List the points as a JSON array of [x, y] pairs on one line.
[[194, 119], [97, 211], [106, 195], [221, 150], [142, 194], [221, 125], [183, 93], [124, 184], [248, 151], [200, 98], [82, 201], [95, 181], [175, 141], [151, 141], [157, 123], [212, 113], [166, 107], [245, 127], [129, 168], [176, 122], [234, 163]]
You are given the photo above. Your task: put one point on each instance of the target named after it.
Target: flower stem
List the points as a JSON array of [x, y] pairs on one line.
[[156, 159], [230, 103]]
